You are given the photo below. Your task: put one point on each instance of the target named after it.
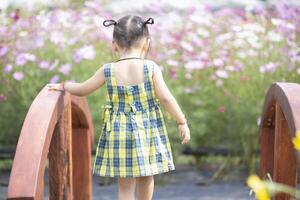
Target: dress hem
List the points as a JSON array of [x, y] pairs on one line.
[[170, 168]]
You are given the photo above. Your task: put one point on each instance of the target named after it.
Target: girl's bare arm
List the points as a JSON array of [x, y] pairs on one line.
[[87, 87], [166, 98]]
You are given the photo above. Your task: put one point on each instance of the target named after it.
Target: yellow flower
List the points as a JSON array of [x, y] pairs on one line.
[[259, 187], [296, 140]]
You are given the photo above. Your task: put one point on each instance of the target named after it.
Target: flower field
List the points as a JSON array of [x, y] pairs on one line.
[[218, 63]]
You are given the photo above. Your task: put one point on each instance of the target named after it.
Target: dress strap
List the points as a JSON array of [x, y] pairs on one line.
[[149, 67], [109, 74], [112, 76]]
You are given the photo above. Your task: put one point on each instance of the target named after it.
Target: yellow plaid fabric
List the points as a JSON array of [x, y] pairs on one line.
[[134, 140]]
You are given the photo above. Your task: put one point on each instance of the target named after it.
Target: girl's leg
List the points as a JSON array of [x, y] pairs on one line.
[[145, 187], [126, 188]]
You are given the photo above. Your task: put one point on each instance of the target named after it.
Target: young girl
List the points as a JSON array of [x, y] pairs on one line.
[[134, 143]]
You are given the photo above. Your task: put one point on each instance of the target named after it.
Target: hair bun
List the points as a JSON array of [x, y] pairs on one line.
[[150, 20], [109, 22]]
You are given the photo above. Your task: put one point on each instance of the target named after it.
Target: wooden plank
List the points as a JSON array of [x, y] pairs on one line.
[[57, 158], [82, 164], [285, 164], [47, 133], [267, 151], [60, 157], [68, 126], [33, 145]]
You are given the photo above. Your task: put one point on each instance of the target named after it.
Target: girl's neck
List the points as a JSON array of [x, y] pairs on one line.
[[130, 54]]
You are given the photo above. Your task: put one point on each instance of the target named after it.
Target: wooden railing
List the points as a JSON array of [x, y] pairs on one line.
[[280, 121], [58, 128]]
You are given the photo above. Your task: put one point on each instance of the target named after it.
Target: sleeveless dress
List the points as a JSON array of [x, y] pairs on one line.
[[134, 140]]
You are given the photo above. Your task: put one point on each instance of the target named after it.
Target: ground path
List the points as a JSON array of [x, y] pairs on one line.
[[176, 185]]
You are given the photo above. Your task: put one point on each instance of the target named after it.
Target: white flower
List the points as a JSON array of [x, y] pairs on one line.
[[238, 43], [275, 37], [219, 82], [258, 121], [255, 27], [241, 54], [87, 52], [172, 62], [194, 64], [187, 46], [218, 62], [222, 73], [276, 21], [203, 32], [57, 37]]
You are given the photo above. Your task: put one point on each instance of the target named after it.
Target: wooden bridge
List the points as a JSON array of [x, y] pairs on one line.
[[280, 121], [58, 128]]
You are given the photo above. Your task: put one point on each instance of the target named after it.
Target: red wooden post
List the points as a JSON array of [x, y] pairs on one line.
[[280, 121], [59, 127], [267, 153], [82, 165], [284, 158], [60, 157]]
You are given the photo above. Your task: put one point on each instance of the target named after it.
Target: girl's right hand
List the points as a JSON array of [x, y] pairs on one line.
[[184, 132], [55, 86]]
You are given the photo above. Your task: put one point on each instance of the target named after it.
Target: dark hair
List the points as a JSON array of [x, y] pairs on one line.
[[129, 29]]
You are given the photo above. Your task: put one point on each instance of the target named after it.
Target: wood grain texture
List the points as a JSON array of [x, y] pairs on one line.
[[280, 120], [51, 119]]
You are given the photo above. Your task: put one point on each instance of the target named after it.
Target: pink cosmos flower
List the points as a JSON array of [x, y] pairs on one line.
[[269, 67], [187, 46], [173, 73], [196, 40], [54, 64], [2, 98], [222, 109], [54, 79], [57, 37], [3, 50], [8, 68], [38, 42], [22, 58], [218, 62], [294, 56], [203, 56], [44, 64], [18, 76], [65, 68], [172, 62]]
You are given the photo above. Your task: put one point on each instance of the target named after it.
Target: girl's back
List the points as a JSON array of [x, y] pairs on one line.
[[128, 72]]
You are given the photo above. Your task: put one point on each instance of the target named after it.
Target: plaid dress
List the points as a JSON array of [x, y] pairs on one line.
[[134, 140]]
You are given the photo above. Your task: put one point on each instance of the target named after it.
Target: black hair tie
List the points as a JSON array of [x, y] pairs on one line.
[[149, 21], [109, 22]]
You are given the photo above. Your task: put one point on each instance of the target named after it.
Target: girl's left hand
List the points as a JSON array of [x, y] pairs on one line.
[[184, 133], [55, 86]]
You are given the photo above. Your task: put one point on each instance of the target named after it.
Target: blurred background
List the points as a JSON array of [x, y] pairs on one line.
[[217, 57]]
